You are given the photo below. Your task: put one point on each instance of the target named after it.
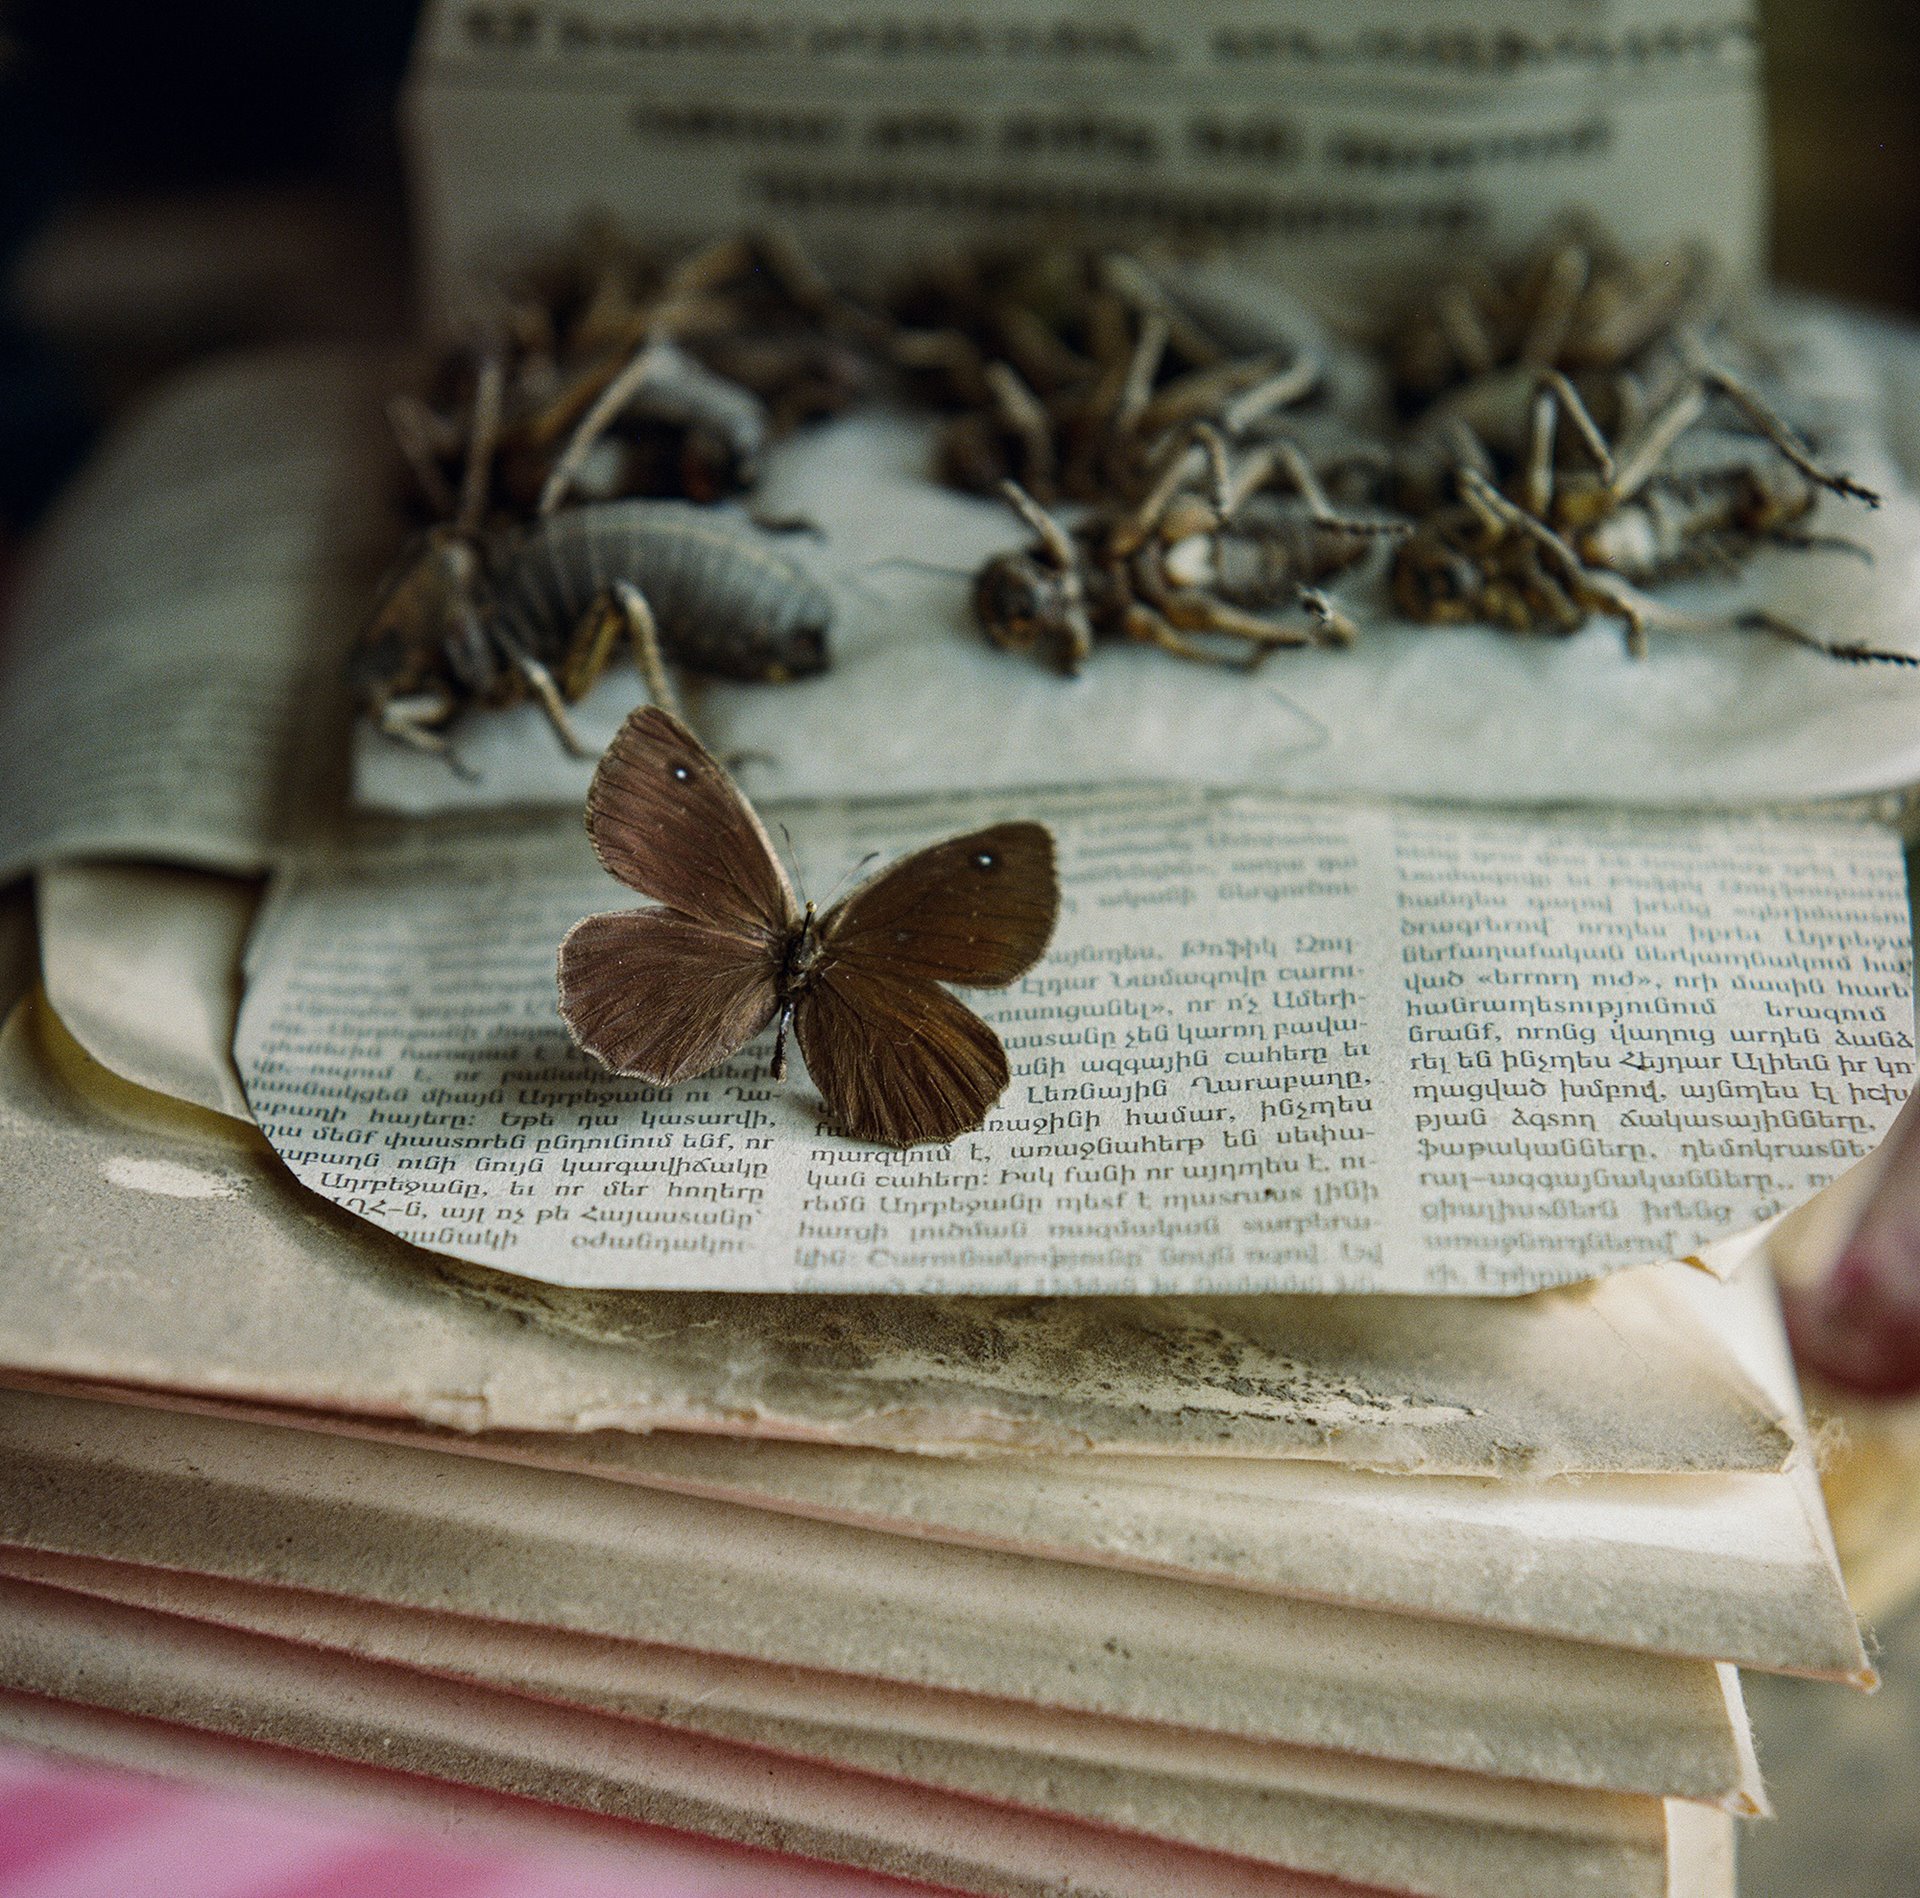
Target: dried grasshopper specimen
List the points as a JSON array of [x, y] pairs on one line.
[[1213, 565], [1555, 549]]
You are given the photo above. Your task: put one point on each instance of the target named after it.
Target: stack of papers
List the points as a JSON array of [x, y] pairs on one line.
[[1217, 1476], [1411, 1594]]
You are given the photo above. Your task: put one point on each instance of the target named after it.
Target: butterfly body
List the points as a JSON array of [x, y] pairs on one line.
[[669, 992]]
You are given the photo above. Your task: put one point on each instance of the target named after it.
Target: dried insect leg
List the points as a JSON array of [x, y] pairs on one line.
[[545, 688], [1282, 457], [1189, 609], [417, 719], [1038, 593], [1759, 416], [620, 611], [1147, 626], [1556, 396]]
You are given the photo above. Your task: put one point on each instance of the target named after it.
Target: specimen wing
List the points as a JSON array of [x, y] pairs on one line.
[[668, 822], [663, 996], [895, 1057], [978, 910]]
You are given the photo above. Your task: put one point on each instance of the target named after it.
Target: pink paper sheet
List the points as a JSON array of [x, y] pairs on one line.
[[86, 1832]]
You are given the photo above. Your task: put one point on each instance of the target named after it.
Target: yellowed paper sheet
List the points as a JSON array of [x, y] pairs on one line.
[[417, 1529], [1727, 1567], [1322, 145], [1274, 1047], [141, 963], [1700, 1855], [152, 1245], [1735, 1567], [1443, 1835]]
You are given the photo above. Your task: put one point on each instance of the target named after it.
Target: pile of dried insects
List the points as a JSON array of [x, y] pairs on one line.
[[557, 466], [1563, 434], [1558, 451]]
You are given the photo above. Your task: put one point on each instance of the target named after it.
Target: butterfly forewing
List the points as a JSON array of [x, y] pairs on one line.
[[977, 910], [662, 996], [668, 822], [896, 1059]]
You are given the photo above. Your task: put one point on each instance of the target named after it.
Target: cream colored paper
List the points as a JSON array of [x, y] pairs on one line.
[[1737, 1568], [1380, 137], [416, 1529], [152, 1245], [256, 1689], [1273, 1047], [1732, 1568], [142, 965], [1444, 1835]]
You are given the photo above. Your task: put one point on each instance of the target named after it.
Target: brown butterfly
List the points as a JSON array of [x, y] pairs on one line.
[[667, 993]]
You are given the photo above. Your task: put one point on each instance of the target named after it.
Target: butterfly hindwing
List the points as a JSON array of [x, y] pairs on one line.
[[667, 821], [662, 996], [977, 910], [896, 1058]]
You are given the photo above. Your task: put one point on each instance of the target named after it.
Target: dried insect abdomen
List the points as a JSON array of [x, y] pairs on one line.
[[1270, 551], [726, 601]]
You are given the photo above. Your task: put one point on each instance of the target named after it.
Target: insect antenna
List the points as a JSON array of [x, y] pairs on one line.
[[793, 857], [848, 880], [1852, 652], [489, 399], [918, 566], [1760, 417], [1819, 543]]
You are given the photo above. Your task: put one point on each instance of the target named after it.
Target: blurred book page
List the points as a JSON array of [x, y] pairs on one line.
[[168, 1216], [1274, 1047], [171, 684], [1320, 146]]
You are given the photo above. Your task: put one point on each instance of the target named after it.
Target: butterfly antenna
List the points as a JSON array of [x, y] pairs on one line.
[[793, 857], [851, 877]]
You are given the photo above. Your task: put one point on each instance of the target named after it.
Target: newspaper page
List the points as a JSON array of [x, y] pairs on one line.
[[1319, 144], [1275, 1047]]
